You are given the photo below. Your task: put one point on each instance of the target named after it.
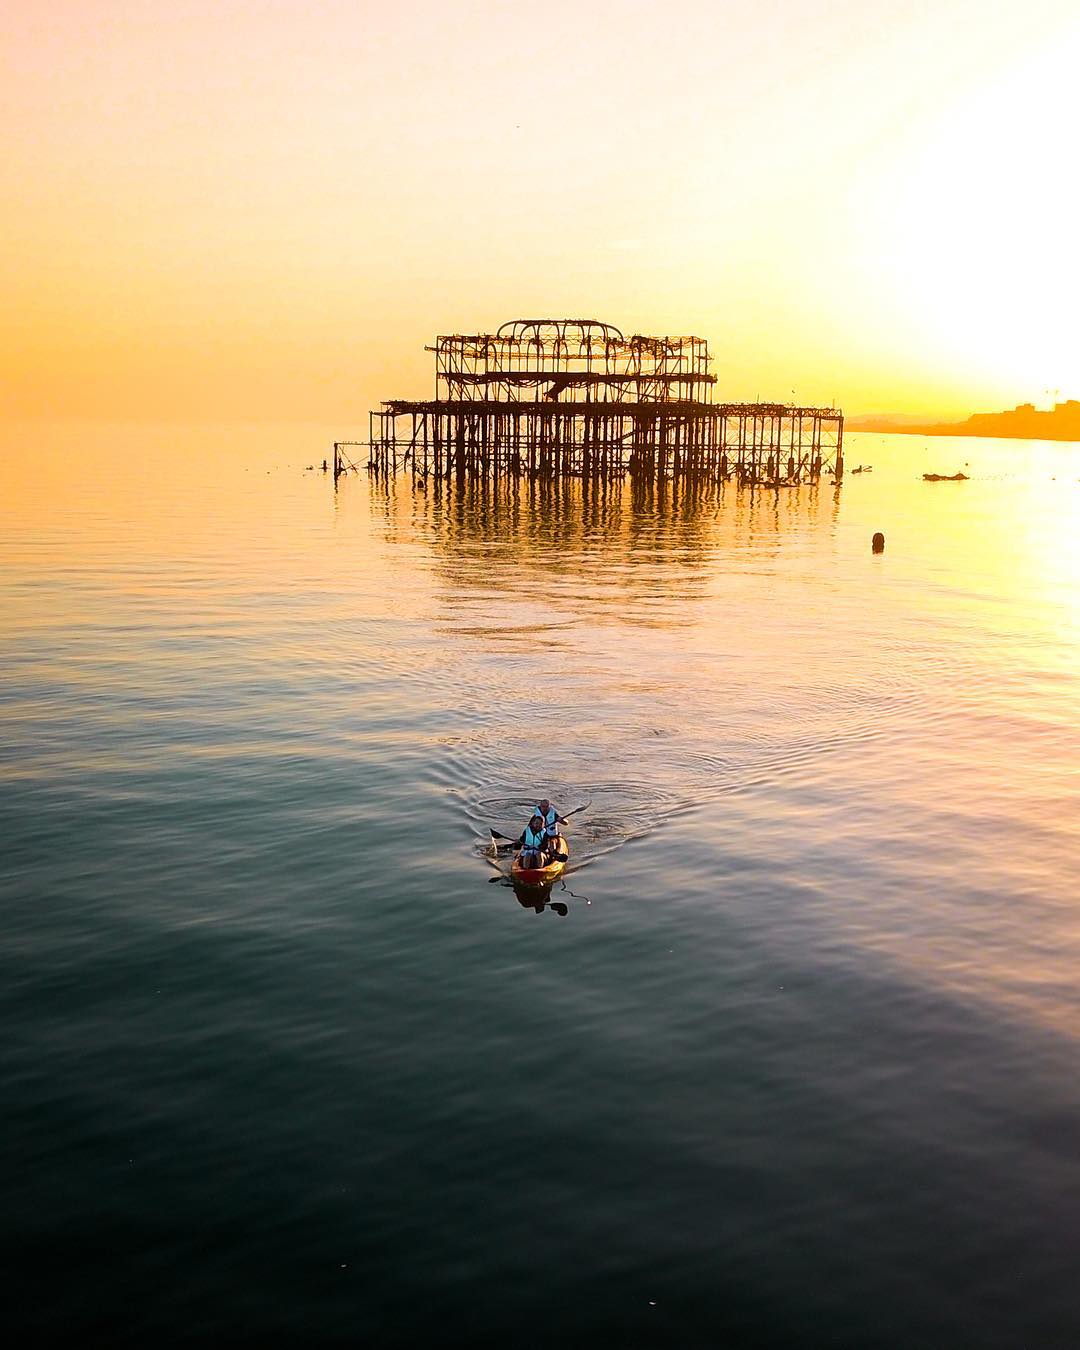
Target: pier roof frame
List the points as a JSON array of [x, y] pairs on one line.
[[519, 328], [522, 356]]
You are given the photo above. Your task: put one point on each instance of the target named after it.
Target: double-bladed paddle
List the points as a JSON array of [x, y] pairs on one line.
[[495, 834], [494, 847]]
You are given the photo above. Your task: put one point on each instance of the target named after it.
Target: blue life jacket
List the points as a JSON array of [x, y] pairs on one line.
[[549, 818], [531, 839]]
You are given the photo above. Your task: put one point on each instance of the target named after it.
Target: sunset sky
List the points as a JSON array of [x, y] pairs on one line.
[[265, 209]]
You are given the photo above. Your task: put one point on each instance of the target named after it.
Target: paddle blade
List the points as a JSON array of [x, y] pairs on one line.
[[576, 809]]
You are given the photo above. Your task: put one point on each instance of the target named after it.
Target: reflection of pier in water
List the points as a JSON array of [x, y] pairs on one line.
[[625, 549], [548, 399]]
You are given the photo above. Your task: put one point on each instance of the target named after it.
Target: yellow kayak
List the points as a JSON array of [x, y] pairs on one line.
[[540, 876]]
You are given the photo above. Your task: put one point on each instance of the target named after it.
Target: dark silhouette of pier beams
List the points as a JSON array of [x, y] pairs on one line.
[[547, 398]]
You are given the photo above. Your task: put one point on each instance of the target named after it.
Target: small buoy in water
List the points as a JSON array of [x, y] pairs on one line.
[[878, 542]]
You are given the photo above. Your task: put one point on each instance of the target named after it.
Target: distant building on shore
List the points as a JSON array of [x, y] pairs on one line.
[[1024, 422], [1061, 423]]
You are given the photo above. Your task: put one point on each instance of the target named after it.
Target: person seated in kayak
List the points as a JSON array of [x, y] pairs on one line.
[[547, 813], [552, 820], [533, 843]]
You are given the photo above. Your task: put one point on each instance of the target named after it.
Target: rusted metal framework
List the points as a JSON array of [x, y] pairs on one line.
[[553, 397], [567, 360]]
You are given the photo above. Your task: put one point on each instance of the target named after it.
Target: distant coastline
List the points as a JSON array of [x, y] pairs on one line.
[[1024, 422]]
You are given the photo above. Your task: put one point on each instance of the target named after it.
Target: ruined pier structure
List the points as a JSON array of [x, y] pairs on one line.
[[543, 398]]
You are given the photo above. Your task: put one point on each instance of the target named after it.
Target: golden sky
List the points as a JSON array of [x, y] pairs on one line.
[[264, 209]]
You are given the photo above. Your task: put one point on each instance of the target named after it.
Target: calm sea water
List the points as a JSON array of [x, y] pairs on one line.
[[284, 1057]]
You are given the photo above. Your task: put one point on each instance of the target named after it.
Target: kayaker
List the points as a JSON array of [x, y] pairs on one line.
[[552, 820], [533, 842], [548, 815]]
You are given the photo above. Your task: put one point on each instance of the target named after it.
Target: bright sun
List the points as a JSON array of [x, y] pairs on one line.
[[977, 222]]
